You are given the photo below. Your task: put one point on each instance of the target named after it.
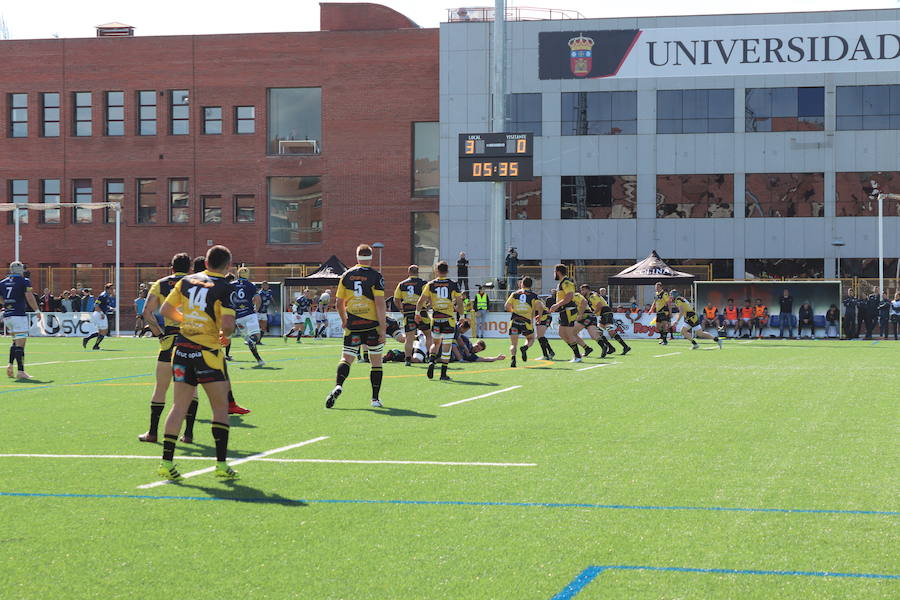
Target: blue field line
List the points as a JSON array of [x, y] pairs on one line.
[[44, 387], [592, 572], [269, 500]]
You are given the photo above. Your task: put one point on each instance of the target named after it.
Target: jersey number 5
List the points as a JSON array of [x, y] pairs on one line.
[[357, 288], [197, 297]]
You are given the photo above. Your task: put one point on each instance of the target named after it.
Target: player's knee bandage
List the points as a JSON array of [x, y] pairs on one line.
[[376, 349], [445, 355]]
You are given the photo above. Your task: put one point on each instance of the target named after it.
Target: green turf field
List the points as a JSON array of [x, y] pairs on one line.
[[637, 463]]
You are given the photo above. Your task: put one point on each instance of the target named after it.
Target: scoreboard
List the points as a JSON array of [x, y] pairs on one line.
[[496, 157]]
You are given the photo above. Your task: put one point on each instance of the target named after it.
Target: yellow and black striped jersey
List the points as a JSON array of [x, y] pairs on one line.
[[565, 286], [581, 302], [661, 302], [161, 289], [203, 298], [524, 304], [684, 307], [442, 294], [407, 293], [596, 302], [358, 288]]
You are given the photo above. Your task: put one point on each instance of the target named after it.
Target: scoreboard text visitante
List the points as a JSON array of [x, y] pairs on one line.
[[496, 157]]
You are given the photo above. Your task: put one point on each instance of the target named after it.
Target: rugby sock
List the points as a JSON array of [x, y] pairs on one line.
[[432, 358], [443, 369], [619, 339], [20, 357], [545, 345], [99, 339], [220, 434], [12, 353], [228, 350], [90, 337], [156, 409], [254, 351], [343, 371], [575, 351], [231, 399], [375, 377], [190, 417], [169, 446]]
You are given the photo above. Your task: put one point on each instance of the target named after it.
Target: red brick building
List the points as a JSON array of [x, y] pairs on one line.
[[286, 147]]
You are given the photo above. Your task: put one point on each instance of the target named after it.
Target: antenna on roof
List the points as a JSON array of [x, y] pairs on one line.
[[4, 30]]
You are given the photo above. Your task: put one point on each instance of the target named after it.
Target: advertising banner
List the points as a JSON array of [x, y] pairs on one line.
[[731, 51], [643, 327], [61, 324]]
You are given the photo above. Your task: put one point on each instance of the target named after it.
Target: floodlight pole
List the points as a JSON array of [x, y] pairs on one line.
[[16, 219], [118, 209], [880, 245], [498, 124]]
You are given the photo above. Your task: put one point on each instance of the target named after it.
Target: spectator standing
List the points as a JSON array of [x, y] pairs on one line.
[[806, 319], [139, 303], [47, 302], [65, 302], [851, 309], [481, 310], [512, 268], [884, 313], [87, 301], [462, 273], [831, 321], [76, 300], [895, 313], [786, 314], [872, 304]]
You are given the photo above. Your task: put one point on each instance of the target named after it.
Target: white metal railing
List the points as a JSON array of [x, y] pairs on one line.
[[518, 13]]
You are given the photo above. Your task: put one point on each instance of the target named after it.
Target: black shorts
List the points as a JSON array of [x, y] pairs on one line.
[[588, 321], [195, 365], [355, 339], [166, 343], [545, 320], [691, 321], [444, 326], [895, 318], [567, 317], [606, 317], [393, 328], [663, 316], [517, 327]]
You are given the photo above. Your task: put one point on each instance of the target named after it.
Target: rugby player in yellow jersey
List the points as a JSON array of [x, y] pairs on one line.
[[584, 309], [181, 263], [525, 307], [663, 314], [690, 327], [541, 325], [590, 319], [608, 323], [360, 304], [568, 310], [405, 297], [443, 296], [201, 304]]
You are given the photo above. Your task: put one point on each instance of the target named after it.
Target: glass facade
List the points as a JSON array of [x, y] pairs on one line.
[[598, 197], [785, 109], [785, 195], [868, 107], [295, 210], [51, 192], [598, 113], [146, 112], [146, 201], [426, 159], [426, 234], [695, 111], [524, 112], [295, 121], [83, 117], [695, 196], [784, 268], [523, 199], [856, 194]]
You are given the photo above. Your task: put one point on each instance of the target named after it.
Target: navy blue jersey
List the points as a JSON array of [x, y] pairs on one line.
[[12, 295], [266, 299], [106, 303], [242, 294], [302, 305]]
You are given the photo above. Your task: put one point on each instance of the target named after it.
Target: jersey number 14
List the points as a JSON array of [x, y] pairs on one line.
[[197, 297]]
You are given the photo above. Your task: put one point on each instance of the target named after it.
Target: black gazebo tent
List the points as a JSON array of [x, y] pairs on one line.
[[328, 274], [649, 271]]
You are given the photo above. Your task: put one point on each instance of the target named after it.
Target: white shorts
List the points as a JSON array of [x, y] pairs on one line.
[[694, 329], [320, 317], [247, 326], [17, 327], [262, 316], [99, 321]]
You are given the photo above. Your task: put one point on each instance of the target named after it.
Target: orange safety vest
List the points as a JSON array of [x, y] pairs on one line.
[[761, 311], [731, 313], [710, 312], [746, 312]]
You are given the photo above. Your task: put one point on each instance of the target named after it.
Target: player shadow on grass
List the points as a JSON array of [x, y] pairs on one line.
[[233, 421], [196, 448], [41, 381], [389, 411], [239, 492], [463, 382]]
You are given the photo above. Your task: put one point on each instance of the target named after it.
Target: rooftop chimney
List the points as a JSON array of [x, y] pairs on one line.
[[115, 30]]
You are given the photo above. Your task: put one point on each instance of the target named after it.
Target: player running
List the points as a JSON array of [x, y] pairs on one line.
[[663, 313], [525, 307], [690, 327], [568, 310], [406, 296], [608, 324], [361, 306], [445, 300], [104, 310], [246, 302], [201, 303], [266, 300], [15, 298]]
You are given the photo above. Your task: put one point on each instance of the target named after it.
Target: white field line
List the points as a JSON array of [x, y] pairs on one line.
[[281, 460], [149, 356], [509, 389], [596, 366], [239, 461], [669, 354], [746, 342]]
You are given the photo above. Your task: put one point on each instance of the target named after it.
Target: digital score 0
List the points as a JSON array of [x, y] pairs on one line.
[[496, 157]]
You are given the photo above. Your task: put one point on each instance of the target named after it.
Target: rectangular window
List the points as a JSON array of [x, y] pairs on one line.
[[295, 120], [785, 195], [179, 201], [857, 193], [868, 107], [784, 268], [695, 111], [524, 112], [212, 120], [82, 119], [179, 112], [695, 196], [18, 194], [51, 192], [82, 275], [115, 192], [599, 113], [245, 209], [146, 201], [523, 199], [115, 113], [146, 112], [426, 159], [18, 115], [212, 209], [83, 192], [50, 114], [245, 119], [426, 234], [295, 210], [785, 109], [598, 197]]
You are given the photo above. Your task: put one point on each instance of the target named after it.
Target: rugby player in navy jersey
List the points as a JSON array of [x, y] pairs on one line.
[[246, 301], [16, 297]]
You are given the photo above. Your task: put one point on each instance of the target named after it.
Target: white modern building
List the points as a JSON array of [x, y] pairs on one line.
[[751, 142]]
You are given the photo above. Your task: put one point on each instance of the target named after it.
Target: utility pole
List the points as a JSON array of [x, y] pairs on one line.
[[497, 215]]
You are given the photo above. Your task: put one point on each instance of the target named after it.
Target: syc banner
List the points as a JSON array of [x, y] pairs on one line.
[[60, 324], [710, 51]]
